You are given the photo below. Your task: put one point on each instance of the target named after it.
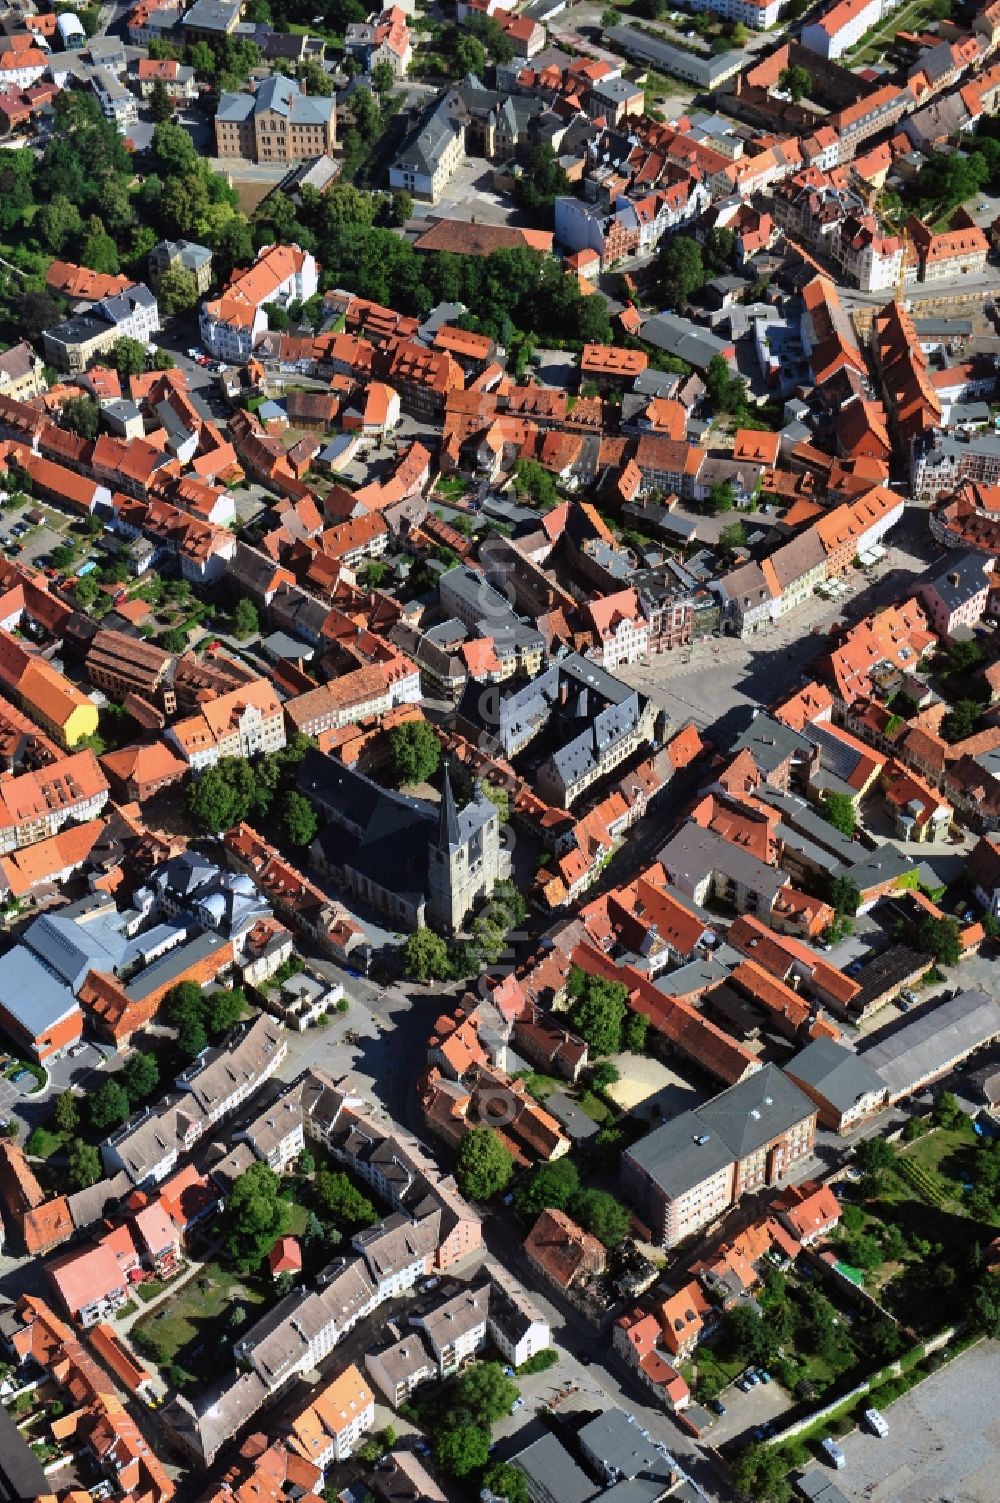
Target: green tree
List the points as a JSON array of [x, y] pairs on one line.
[[140, 1076], [485, 1392], [636, 1032], [759, 1472], [66, 1112], [174, 640], [254, 1216], [602, 1215], [532, 482], [469, 55], [549, 1187], [463, 1450], [223, 795], [36, 312], [84, 1163], [721, 497], [748, 1335], [942, 938], [401, 207], [130, 357], [732, 536], [947, 1111], [383, 77], [984, 1306], [246, 621], [962, 720], [342, 1202], [222, 1009], [99, 251], [599, 1014], [81, 415], [845, 895], [426, 956], [838, 810], [506, 1481], [415, 751], [874, 1155], [681, 268], [298, 819], [542, 181], [796, 82], [192, 1039], [177, 292], [366, 113], [495, 40], [161, 106], [58, 224], [109, 1106], [483, 1164], [604, 1074]]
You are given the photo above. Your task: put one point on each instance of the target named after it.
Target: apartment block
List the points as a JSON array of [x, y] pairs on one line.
[[686, 1174]]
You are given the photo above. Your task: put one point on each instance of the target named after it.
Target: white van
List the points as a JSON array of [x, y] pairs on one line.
[[835, 1454], [877, 1423]]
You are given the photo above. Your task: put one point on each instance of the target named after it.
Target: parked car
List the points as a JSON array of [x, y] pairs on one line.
[[193, 354], [717, 1406], [763, 1375], [517, 1404]]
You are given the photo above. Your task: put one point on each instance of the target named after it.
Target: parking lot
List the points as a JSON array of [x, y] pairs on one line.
[[747, 1412], [943, 1444]]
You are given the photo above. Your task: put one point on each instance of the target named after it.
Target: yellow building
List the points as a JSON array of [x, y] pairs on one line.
[[57, 705]]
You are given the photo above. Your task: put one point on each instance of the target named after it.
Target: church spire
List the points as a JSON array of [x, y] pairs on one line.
[[448, 831]]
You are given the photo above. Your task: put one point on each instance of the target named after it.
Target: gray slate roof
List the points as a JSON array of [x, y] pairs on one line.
[[699, 1143], [838, 1074]]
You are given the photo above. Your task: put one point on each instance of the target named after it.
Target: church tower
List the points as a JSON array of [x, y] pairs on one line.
[[463, 858]]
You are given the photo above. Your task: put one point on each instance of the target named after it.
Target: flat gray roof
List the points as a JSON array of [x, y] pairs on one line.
[[933, 1040]]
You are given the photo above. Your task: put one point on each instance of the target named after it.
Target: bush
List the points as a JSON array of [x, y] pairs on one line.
[[540, 1362]]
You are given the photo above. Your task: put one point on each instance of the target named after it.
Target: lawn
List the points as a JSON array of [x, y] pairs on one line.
[[190, 1328], [934, 1167], [538, 1085]]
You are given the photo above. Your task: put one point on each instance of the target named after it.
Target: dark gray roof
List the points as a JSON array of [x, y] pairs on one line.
[[878, 866], [683, 339], [21, 1476], [818, 1487], [960, 577], [693, 853], [625, 1450], [838, 1074], [646, 48], [699, 1143], [212, 15], [552, 1474], [770, 743]]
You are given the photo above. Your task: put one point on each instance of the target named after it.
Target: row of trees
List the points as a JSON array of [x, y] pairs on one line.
[[236, 789], [200, 1016], [516, 292], [601, 1015], [556, 1186], [429, 957]]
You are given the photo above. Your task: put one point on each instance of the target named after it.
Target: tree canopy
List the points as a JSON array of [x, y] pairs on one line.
[[483, 1165], [838, 810], [549, 1187], [415, 750], [602, 1215], [255, 1216], [599, 1010], [942, 938]]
